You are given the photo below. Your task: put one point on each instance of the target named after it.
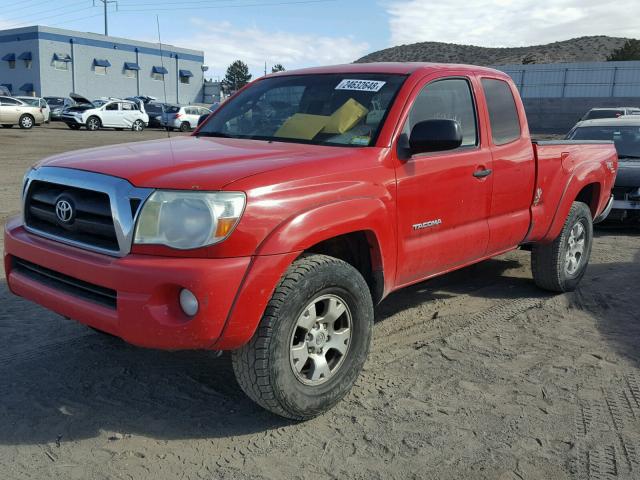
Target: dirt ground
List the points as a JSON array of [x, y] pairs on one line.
[[477, 374]]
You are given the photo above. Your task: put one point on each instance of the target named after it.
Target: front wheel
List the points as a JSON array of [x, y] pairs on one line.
[[93, 124], [559, 266], [312, 341]]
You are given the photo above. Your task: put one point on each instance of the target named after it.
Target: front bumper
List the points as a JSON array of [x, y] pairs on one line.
[[71, 119], [146, 311]]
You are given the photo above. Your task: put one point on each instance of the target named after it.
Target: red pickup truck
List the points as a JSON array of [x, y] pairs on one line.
[[301, 203]]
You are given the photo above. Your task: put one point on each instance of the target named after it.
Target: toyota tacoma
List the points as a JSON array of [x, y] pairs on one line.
[[297, 206]]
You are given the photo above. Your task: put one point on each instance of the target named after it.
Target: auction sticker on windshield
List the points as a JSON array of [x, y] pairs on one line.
[[360, 85]]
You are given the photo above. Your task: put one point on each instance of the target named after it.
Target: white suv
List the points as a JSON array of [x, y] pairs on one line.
[[183, 118], [112, 113]]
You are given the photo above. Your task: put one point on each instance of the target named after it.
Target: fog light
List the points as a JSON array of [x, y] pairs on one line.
[[188, 302]]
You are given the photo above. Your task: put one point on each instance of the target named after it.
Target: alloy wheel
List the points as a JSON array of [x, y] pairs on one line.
[[575, 248], [320, 340]]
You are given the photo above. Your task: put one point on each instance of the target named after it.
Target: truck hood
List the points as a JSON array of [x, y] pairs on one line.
[[190, 163]]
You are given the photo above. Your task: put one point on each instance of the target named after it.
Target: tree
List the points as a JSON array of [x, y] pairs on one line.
[[277, 68], [629, 51], [237, 76]]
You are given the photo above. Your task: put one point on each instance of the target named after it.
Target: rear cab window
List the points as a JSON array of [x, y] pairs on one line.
[[503, 113]]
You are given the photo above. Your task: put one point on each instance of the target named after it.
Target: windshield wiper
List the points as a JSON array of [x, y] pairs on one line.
[[214, 134]]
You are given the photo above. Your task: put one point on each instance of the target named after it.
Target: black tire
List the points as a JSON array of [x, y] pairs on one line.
[[7, 125], [185, 127], [73, 126], [26, 122], [263, 367], [137, 126], [549, 261], [93, 124]]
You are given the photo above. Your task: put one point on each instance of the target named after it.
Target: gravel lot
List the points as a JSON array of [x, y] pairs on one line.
[[473, 375]]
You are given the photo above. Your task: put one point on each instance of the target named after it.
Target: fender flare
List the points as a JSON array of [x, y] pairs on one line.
[[581, 177], [322, 222]]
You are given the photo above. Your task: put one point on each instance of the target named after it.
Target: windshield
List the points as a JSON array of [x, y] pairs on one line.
[[334, 109], [597, 114], [34, 102], [626, 138], [153, 108], [54, 101]]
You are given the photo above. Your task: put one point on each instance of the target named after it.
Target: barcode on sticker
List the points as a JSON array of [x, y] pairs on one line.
[[360, 85]]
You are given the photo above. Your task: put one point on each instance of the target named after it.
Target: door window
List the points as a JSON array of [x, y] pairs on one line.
[[449, 99], [10, 101], [503, 114], [111, 107]]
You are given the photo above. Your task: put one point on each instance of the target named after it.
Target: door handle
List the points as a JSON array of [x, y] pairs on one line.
[[482, 173]]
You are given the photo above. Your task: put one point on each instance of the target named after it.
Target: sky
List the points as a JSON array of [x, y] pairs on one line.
[[299, 33]]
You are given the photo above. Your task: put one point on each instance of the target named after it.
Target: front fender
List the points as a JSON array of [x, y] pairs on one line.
[[287, 241], [322, 222]]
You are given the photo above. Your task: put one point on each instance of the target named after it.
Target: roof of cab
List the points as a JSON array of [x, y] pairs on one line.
[[402, 68]]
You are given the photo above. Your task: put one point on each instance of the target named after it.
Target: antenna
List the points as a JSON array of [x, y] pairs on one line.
[[164, 84], [106, 3]]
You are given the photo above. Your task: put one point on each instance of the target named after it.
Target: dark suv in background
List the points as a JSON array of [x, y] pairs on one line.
[[58, 105]]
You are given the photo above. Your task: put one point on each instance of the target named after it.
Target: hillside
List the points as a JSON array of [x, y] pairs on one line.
[[583, 49]]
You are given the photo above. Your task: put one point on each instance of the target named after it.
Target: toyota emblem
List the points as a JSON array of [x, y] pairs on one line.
[[64, 211]]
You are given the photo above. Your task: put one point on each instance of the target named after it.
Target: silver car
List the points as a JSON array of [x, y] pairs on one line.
[[183, 118], [16, 112], [41, 103], [624, 132]]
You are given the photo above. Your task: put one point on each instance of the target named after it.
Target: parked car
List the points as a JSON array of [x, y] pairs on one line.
[[273, 232], [615, 112], [40, 103], [58, 105], [183, 118], [16, 112], [155, 111], [104, 113], [625, 133]]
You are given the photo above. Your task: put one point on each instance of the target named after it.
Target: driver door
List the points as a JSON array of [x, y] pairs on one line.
[[444, 198], [111, 115]]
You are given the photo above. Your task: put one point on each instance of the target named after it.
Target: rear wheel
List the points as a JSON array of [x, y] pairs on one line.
[[559, 266], [185, 127], [93, 124], [312, 341], [137, 126], [26, 122]]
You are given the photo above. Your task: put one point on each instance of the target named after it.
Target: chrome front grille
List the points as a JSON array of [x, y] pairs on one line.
[[92, 221], [101, 209]]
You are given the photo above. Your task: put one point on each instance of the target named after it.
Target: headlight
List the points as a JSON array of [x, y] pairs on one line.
[[186, 220]]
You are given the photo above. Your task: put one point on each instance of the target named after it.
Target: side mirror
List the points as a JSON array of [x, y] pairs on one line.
[[435, 136], [202, 118]]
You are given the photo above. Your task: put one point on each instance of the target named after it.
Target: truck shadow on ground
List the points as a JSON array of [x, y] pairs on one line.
[[62, 382]]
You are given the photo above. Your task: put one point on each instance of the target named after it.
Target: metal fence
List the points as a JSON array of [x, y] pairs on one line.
[[571, 80]]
